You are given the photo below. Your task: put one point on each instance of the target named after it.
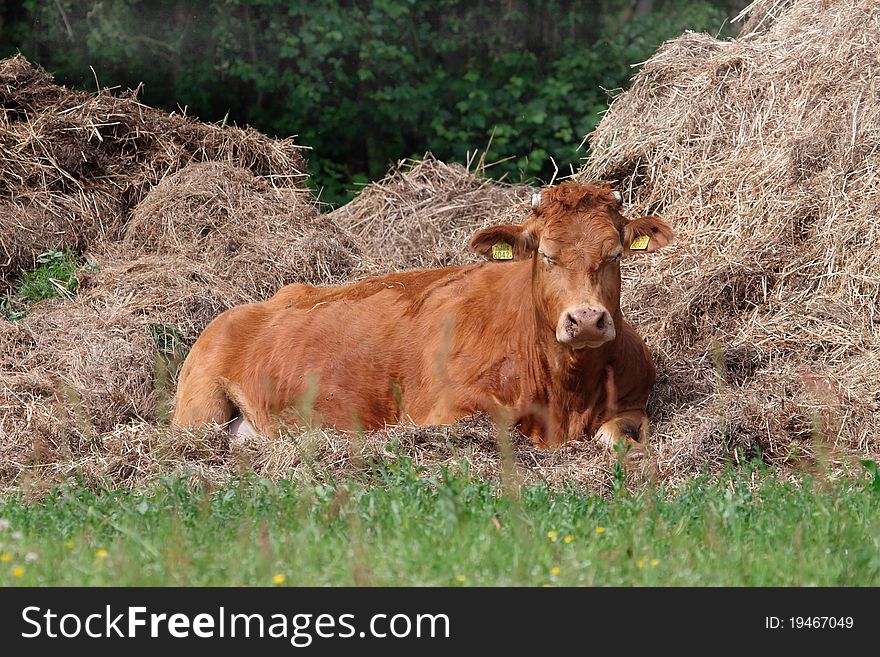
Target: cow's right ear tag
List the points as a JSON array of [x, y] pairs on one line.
[[640, 243], [502, 251]]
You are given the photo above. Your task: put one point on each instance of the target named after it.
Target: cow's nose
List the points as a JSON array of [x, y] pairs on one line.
[[591, 325]]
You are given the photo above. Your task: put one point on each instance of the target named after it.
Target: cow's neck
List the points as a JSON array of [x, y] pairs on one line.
[[577, 390], [578, 377], [575, 370]]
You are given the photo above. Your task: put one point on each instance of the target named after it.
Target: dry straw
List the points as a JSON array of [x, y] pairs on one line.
[[764, 153], [73, 165], [423, 213], [242, 228], [184, 219]]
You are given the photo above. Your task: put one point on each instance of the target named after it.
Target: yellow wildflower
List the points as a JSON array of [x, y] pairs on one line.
[[18, 571], [552, 535], [655, 563], [555, 571], [568, 538], [278, 579], [460, 578], [101, 554], [5, 557], [600, 529]]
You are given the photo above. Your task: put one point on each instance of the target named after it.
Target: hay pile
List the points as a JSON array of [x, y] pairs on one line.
[[73, 165], [764, 154], [150, 290], [423, 214], [243, 228]]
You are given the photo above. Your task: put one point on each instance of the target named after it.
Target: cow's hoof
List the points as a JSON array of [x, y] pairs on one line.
[[605, 437], [623, 445]]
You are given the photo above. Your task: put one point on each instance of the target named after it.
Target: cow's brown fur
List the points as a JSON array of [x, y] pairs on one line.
[[436, 345]]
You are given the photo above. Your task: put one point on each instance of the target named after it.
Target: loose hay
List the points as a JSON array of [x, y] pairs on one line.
[[136, 454], [764, 154], [243, 229], [97, 370], [155, 291], [423, 213], [105, 175]]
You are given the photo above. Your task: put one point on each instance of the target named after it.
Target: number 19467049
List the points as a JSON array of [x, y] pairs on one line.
[[809, 622]]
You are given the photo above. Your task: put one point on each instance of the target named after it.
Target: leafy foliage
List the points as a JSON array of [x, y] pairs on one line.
[[55, 275], [368, 82], [874, 471]]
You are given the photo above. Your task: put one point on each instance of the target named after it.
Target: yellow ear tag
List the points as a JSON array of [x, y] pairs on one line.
[[502, 251], [640, 243]]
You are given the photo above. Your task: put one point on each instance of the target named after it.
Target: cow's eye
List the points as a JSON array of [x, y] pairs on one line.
[[617, 257], [550, 261]]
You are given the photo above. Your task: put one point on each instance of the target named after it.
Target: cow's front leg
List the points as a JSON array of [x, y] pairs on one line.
[[545, 428], [627, 431]]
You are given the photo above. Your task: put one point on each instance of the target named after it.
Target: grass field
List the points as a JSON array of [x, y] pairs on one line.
[[406, 528]]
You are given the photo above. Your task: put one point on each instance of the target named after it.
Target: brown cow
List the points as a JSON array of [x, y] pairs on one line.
[[538, 341]]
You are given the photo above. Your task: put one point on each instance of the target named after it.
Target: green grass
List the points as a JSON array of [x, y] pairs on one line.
[[54, 275], [405, 528]]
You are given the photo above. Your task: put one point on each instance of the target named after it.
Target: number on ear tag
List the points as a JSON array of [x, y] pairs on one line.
[[640, 243], [502, 251]]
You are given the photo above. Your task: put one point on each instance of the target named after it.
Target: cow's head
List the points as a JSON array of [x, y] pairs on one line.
[[575, 237]]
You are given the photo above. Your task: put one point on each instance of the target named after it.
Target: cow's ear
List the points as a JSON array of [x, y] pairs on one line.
[[504, 242], [647, 234]]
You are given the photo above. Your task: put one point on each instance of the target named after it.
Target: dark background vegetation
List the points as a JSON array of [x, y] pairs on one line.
[[368, 82]]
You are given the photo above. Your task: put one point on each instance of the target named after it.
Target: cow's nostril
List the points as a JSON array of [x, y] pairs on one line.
[[600, 323]]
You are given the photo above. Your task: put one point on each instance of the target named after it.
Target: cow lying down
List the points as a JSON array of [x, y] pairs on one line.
[[535, 338]]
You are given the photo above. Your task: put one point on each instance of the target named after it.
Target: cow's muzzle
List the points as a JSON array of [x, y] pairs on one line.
[[585, 327]]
